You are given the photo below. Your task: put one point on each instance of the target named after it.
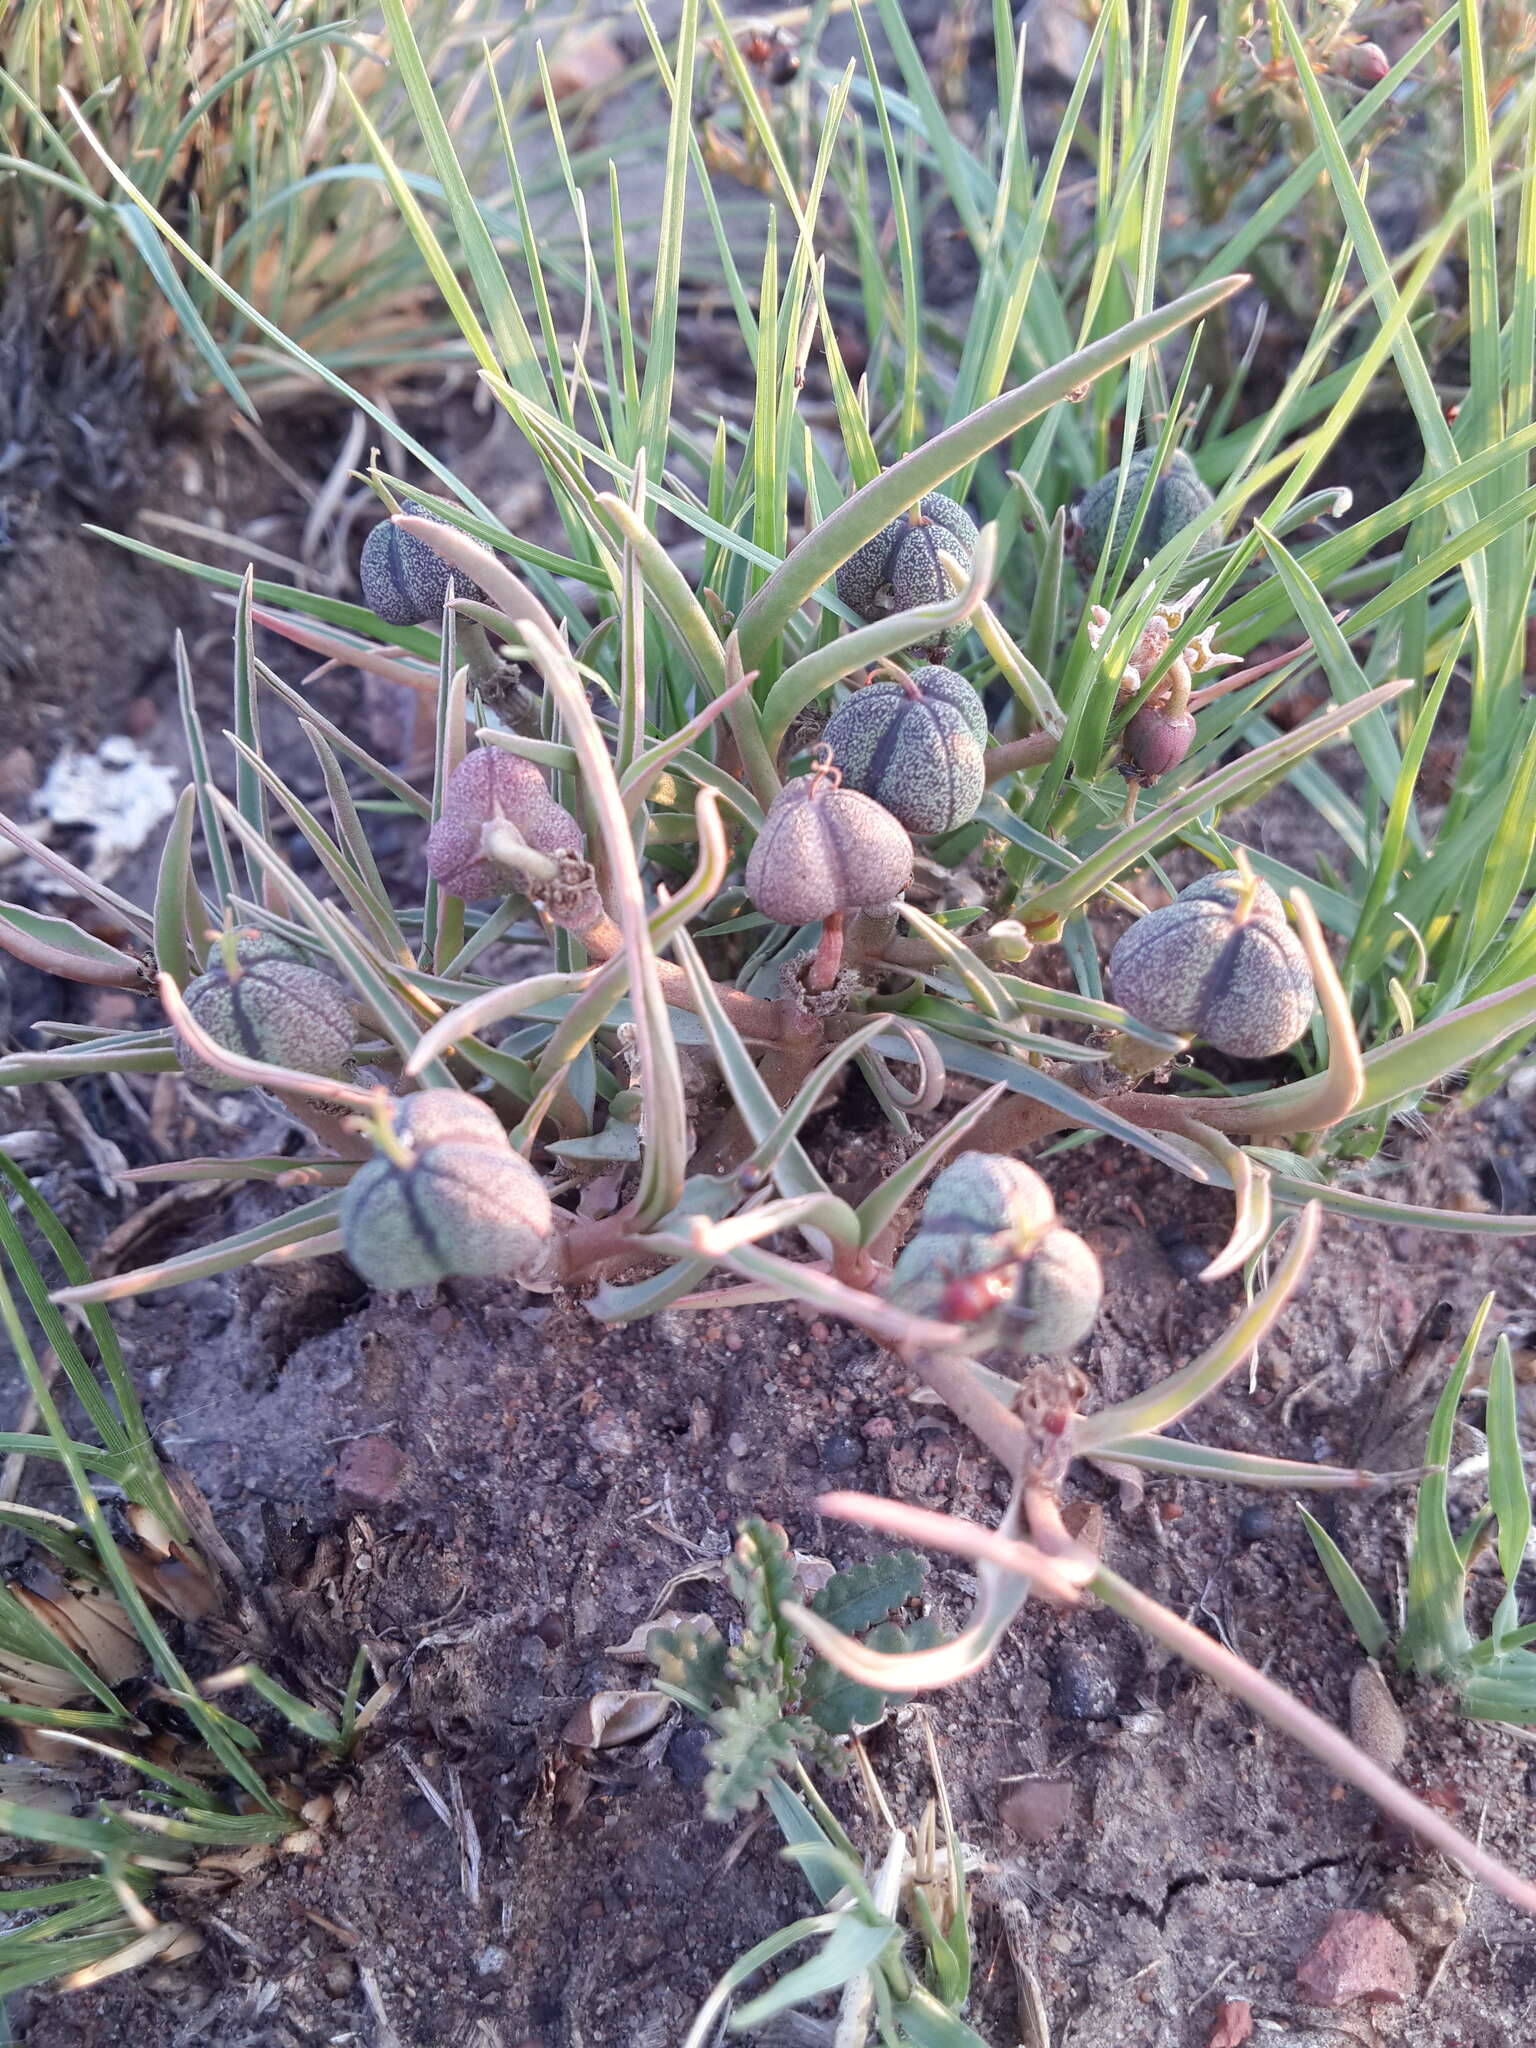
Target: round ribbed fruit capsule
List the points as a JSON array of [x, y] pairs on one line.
[[404, 582], [1154, 741], [492, 787], [823, 850], [447, 1195], [980, 1215], [1056, 1298], [1218, 963], [1178, 499], [990, 1254], [272, 1007], [912, 748], [900, 567]]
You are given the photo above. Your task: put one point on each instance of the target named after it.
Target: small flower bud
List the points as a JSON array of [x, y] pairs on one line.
[[403, 580], [267, 1005], [824, 850], [1361, 63], [1219, 963], [501, 833], [900, 567], [445, 1195], [1154, 741], [913, 746], [1178, 499]]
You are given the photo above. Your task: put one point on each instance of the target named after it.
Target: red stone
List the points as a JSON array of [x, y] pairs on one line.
[[1359, 1956]]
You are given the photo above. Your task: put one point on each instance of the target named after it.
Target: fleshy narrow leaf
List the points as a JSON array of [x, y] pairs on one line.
[[54, 945], [1435, 1636], [1508, 1493], [246, 1246], [1364, 1615]]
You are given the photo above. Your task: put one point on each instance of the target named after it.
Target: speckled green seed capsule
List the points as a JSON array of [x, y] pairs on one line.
[[458, 1199], [1056, 1298], [1202, 968], [913, 748], [989, 1254], [1179, 499], [824, 850], [980, 1215], [275, 1008], [403, 581], [900, 567]]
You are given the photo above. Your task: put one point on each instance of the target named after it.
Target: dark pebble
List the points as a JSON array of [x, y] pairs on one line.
[[841, 1452], [1257, 1525], [685, 1755], [1083, 1684], [1188, 1259]]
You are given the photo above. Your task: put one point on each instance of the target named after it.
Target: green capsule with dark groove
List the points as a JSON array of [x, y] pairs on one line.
[[405, 583], [1179, 498], [1218, 963], [900, 567], [456, 1200], [273, 1007], [913, 747]]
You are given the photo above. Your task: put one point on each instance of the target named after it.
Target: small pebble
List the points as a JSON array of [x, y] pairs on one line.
[[1358, 1956], [1258, 1524], [491, 1962], [685, 1755], [369, 1470], [1428, 1912], [1036, 1808], [1083, 1684], [841, 1451]]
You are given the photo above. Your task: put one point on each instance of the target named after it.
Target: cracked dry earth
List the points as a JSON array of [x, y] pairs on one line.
[[495, 1490]]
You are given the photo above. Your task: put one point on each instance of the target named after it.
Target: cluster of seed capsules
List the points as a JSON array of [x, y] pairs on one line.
[[903, 756]]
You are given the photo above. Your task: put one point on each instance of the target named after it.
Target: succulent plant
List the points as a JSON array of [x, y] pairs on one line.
[[403, 581], [501, 833], [1179, 499], [914, 747], [1218, 963], [900, 567], [446, 1194], [990, 1253], [260, 999], [824, 849]]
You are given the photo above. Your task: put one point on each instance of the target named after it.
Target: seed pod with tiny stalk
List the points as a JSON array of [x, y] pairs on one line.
[[900, 568], [1218, 963], [913, 743], [825, 850], [1179, 499], [1161, 733], [445, 1194], [501, 833], [989, 1253], [404, 581], [260, 999]]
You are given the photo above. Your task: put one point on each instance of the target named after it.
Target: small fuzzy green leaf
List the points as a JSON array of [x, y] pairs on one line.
[[753, 1741], [690, 1663], [855, 1599]]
